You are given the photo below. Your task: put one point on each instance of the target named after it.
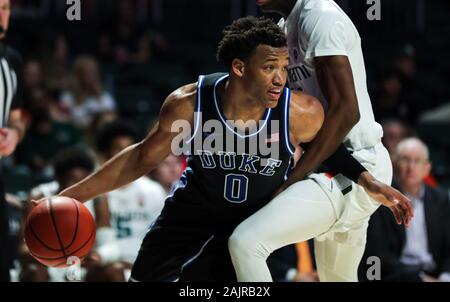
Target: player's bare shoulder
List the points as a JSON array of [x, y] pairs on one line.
[[306, 117], [179, 105]]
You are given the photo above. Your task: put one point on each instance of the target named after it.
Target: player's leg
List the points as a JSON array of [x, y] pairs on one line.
[[337, 261], [177, 237], [300, 213], [339, 253], [213, 264], [164, 251]]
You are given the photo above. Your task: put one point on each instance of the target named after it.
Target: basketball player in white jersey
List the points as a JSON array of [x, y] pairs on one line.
[[326, 61]]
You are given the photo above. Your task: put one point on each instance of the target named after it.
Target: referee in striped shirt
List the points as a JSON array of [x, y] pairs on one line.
[[12, 129]]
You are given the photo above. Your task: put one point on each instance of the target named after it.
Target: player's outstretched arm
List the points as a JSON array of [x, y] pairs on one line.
[[139, 159]]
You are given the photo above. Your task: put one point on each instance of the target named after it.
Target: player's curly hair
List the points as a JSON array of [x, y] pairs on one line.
[[241, 38]]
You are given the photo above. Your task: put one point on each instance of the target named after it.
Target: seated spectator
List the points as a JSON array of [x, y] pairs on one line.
[[131, 42], [421, 252], [86, 98], [394, 131], [33, 78], [98, 121], [421, 89], [44, 138], [388, 102], [37, 94], [55, 64], [168, 172]]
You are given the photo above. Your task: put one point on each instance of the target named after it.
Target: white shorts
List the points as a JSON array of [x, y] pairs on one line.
[[353, 209]]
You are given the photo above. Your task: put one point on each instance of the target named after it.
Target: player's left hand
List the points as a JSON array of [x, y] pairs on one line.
[[398, 203], [9, 138]]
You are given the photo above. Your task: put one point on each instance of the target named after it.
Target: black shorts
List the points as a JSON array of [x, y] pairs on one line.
[[188, 242]]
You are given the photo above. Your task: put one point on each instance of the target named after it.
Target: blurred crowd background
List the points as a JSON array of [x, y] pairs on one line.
[[95, 86]]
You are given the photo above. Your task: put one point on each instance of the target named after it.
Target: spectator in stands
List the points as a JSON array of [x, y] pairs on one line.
[[45, 138], [131, 42], [421, 90], [387, 103], [36, 92], [98, 121], [33, 78], [394, 131], [168, 172], [422, 252], [86, 98], [56, 65]]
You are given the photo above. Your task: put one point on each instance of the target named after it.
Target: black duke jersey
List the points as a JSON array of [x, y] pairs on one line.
[[230, 166]]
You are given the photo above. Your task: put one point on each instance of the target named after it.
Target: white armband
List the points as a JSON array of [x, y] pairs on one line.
[[107, 246]]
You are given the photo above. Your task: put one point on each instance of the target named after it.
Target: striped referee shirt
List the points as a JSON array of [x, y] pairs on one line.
[[10, 82]]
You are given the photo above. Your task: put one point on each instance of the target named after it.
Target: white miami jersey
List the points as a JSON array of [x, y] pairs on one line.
[[320, 28], [133, 209]]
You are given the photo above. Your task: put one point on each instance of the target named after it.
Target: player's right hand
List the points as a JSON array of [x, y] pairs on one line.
[[389, 197]]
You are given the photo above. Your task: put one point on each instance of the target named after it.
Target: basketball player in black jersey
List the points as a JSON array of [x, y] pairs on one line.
[[221, 185]]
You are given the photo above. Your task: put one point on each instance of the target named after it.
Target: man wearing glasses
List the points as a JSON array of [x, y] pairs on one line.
[[420, 253]]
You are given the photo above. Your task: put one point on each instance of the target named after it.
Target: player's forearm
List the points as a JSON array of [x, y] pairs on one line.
[[335, 127], [343, 162], [127, 166]]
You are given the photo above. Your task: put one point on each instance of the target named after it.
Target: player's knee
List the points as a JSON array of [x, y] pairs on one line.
[[243, 243]]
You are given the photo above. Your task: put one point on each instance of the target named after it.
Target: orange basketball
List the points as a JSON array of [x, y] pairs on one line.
[[58, 229]]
